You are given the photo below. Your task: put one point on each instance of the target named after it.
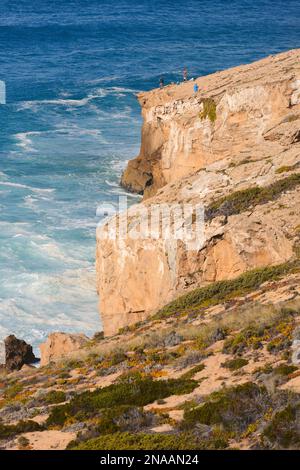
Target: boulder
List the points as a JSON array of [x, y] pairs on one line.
[[17, 353], [60, 344]]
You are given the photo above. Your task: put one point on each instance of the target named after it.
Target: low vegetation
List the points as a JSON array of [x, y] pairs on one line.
[[222, 291], [235, 364], [155, 441], [8, 431], [138, 392], [283, 431], [234, 408], [276, 332], [54, 396], [241, 201], [286, 168], [209, 110]]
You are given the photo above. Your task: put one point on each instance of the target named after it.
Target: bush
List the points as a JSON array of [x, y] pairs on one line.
[[12, 391], [240, 201], [23, 442], [277, 332], [284, 169], [285, 369], [10, 430], [283, 431], [234, 408], [235, 364], [130, 441], [125, 418], [224, 290], [157, 441], [137, 393], [54, 396], [209, 110], [190, 374], [189, 359]]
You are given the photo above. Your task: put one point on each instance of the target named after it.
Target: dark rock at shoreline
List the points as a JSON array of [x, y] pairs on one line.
[[98, 336], [17, 353]]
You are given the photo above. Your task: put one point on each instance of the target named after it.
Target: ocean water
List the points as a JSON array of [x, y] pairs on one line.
[[71, 122]]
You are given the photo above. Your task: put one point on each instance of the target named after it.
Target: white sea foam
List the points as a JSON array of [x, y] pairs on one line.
[[51, 250], [118, 165], [24, 140], [113, 184], [25, 186], [69, 102]]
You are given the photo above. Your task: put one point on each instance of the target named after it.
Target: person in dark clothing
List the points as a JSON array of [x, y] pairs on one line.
[[185, 74], [161, 82]]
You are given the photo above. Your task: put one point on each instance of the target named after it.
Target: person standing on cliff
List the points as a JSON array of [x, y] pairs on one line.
[[185, 74], [161, 82], [196, 88]]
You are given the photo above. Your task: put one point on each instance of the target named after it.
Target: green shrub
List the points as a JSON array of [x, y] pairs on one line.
[[240, 201], [209, 110], [277, 333], [124, 418], [190, 374], [284, 169], [141, 441], [235, 364], [224, 290], [13, 390], [54, 396], [233, 408], [155, 441], [137, 393], [285, 369], [23, 442], [10, 430], [117, 357], [283, 431]]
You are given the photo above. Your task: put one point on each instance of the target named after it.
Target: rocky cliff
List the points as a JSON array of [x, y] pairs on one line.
[[234, 148]]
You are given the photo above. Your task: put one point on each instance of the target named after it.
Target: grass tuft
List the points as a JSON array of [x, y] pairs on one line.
[[241, 201], [222, 291], [209, 110]]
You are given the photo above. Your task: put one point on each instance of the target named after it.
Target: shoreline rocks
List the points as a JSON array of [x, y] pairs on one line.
[[60, 344], [18, 353]]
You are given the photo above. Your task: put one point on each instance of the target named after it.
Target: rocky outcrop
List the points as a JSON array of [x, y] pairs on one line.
[[241, 132], [59, 344], [233, 110], [17, 353]]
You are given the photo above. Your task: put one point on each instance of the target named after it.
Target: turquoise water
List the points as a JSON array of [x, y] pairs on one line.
[[72, 121]]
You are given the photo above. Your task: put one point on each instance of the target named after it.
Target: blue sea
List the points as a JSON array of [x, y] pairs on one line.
[[72, 69]]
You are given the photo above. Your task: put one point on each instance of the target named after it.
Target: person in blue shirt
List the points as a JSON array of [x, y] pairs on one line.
[[196, 88]]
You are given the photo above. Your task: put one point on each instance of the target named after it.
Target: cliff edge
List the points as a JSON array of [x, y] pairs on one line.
[[234, 149]]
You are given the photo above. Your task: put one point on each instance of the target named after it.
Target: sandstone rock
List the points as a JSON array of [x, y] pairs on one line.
[[296, 347], [249, 101], [17, 353], [252, 143], [59, 344]]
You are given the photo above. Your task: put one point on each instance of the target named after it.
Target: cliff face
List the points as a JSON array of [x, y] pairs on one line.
[[241, 131], [240, 105]]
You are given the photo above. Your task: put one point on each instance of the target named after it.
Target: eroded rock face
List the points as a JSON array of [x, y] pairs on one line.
[[253, 142], [179, 136], [17, 353], [59, 345]]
